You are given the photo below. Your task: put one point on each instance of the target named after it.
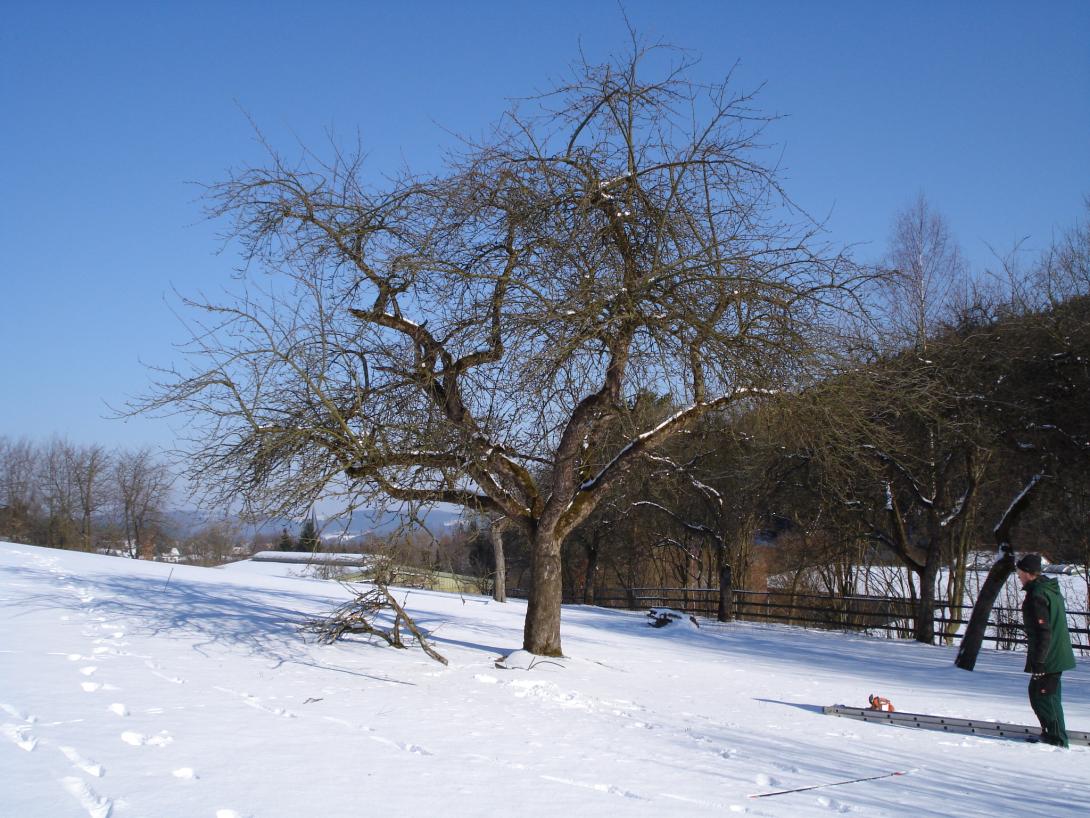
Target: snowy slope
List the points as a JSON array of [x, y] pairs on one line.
[[148, 690]]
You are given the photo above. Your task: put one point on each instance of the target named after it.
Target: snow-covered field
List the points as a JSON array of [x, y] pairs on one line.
[[144, 689]]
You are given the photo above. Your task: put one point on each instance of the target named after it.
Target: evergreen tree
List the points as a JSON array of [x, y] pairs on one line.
[[308, 537], [286, 542]]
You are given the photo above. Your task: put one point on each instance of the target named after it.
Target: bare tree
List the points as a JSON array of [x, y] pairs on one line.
[[700, 510], [142, 484], [213, 543], [465, 338], [19, 494], [1064, 270], [929, 476], [1031, 378], [927, 272], [59, 493], [89, 467], [726, 476], [889, 457]]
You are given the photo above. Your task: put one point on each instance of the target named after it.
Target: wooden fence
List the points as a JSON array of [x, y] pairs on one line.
[[893, 617]]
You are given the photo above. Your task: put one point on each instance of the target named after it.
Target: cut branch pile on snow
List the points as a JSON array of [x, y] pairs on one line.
[[359, 615]]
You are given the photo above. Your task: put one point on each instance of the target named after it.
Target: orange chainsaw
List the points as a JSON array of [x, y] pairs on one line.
[[878, 703]]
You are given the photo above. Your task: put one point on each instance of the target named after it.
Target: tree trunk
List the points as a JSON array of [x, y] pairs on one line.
[[499, 588], [925, 607], [982, 609], [85, 532], [957, 586], [541, 634], [726, 587], [591, 573]]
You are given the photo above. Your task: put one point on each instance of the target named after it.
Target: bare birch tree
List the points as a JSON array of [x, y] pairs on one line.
[[927, 271]]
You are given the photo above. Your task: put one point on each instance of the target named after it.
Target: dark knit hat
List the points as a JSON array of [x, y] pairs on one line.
[[1030, 563]]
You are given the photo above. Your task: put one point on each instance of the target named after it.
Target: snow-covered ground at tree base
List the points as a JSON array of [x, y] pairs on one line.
[[142, 689]]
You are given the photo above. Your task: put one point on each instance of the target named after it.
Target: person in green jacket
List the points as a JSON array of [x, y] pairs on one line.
[[1050, 652]]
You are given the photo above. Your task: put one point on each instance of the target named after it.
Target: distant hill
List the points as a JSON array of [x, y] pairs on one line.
[[182, 523]]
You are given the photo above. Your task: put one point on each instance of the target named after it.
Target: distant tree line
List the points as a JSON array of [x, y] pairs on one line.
[[87, 497], [82, 496]]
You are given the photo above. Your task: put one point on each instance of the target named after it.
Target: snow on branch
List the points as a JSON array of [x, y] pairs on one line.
[[903, 470], [680, 418], [1018, 504], [696, 528], [955, 512]]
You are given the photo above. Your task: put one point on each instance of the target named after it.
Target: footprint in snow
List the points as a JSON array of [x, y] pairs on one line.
[[118, 709], [139, 739], [834, 805], [255, 702], [88, 765], [16, 713], [715, 805], [20, 735], [113, 641], [155, 669], [97, 806], [92, 687], [174, 680], [88, 671], [185, 772], [606, 788], [763, 780]]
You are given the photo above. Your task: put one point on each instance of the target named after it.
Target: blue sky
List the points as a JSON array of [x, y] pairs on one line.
[[110, 111]]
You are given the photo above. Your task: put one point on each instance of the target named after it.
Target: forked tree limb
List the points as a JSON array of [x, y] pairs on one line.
[[997, 576]]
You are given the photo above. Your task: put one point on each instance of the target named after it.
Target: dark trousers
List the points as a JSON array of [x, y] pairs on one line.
[[1044, 698]]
